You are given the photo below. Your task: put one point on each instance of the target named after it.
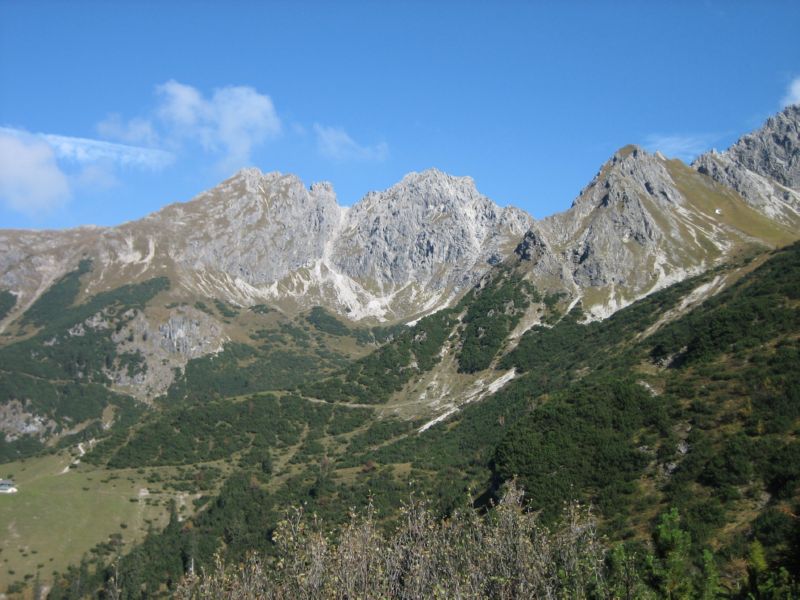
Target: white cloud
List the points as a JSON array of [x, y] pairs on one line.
[[230, 122], [336, 144], [31, 182], [685, 147], [233, 120], [792, 94], [84, 150], [136, 131], [181, 104]]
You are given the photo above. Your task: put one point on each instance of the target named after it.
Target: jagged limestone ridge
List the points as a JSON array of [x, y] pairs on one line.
[[642, 223], [431, 228], [763, 167]]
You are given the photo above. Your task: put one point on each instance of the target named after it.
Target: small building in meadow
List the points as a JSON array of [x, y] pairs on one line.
[[7, 487]]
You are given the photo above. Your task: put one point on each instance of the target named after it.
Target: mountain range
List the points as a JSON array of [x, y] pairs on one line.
[[643, 222], [375, 332]]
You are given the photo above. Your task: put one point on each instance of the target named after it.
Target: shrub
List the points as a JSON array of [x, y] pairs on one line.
[[507, 554]]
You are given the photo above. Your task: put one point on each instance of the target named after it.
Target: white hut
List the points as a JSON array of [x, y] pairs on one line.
[[7, 487]]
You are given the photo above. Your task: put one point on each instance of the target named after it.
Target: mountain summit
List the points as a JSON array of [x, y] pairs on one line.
[[763, 167], [645, 222], [266, 239]]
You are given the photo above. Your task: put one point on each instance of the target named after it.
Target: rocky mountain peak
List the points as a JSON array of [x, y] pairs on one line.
[[629, 150], [428, 189], [436, 179], [276, 190], [763, 167], [249, 174], [412, 231], [774, 150], [322, 187], [629, 171], [643, 222], [253, 228]]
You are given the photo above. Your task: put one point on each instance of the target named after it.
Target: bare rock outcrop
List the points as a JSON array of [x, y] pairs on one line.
[[763, 167], [432, 229]]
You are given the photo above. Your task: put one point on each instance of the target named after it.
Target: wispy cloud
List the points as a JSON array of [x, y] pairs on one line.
[[230, 122], [685, 147], [31, 181], [233, 120], [136, 131], [86, 150], [335, 143], [792, 94], [39, 171]]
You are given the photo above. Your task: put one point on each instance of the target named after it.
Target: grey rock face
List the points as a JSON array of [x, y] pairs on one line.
[[774, 150], [536, 251], [613, 227], [255, 227], [762, 193], [763, 167], [266, 237], [532, 248], [16, 420], [187, 336], [614, 207], [165, 346], [432, 229], [642, 223]]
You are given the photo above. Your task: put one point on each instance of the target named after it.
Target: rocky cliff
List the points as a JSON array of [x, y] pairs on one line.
[[645, 222], [267, 238], [763, 167]]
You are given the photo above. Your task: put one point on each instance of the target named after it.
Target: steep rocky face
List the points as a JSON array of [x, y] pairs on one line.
[[763, 167], [431, 229], [267, 238], [255, 227], [764, 194], [249, 231], [774, 150], [536, 253], [30, 261], [645, 222], [613, 219], [405, 251], [165, 346]]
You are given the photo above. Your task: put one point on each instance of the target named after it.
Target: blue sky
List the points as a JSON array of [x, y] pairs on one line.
[[111, 110]]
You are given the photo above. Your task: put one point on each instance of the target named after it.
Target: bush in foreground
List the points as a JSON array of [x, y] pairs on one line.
[[507, 554]]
